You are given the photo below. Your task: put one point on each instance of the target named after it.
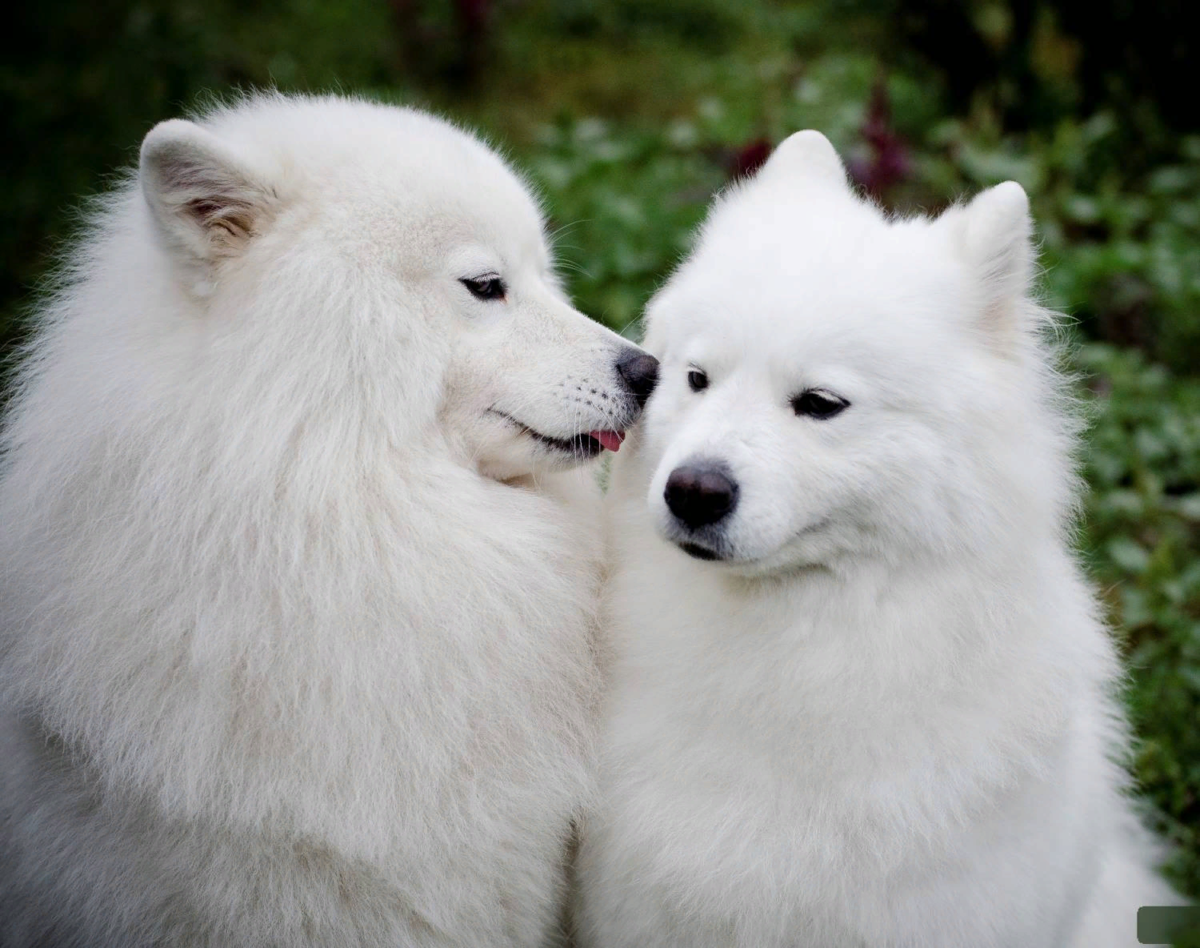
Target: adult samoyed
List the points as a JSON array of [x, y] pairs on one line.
[[862, 694], [296, 589]]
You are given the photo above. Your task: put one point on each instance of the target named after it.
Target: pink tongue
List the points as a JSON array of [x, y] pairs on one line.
[[609, 439]]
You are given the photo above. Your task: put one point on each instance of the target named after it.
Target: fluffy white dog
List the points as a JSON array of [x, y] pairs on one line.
[[862, 694], [296, 617]]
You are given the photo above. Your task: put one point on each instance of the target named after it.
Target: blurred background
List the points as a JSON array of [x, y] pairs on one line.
[[629, 114]]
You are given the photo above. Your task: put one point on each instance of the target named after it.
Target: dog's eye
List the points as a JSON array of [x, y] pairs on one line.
[[486, 288], [697, 380], [818, 404]]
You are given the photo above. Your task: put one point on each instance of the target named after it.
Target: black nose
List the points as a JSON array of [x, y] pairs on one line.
[[639, 372], [700, 494]]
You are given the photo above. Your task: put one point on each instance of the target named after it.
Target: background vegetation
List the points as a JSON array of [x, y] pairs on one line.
[[630, 113]]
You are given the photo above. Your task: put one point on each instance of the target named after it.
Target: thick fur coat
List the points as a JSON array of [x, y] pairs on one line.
[[296, 581], [862, 695]]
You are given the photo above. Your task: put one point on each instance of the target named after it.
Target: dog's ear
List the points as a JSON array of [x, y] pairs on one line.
[[806, 154], [206, 199], [995, 234]]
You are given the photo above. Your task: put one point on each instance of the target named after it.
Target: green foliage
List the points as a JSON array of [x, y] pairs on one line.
[[1143, 534], [633, 193]]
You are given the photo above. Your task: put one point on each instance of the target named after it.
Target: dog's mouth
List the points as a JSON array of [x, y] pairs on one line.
[[699, 552], [704, 544], [715, 548], [585, 444]]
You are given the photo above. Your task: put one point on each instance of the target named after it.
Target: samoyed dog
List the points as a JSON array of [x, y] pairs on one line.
[[862, 695], [297, 585]]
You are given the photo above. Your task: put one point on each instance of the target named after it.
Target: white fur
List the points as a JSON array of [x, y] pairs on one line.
[[296, 631], [887, 717]]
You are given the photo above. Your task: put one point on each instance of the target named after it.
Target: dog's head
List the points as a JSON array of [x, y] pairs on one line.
[[834, 382], [397, 261]]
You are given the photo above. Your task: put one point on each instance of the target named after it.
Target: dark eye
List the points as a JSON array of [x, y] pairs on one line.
[[818, 404], [697, 380], [485, 288]]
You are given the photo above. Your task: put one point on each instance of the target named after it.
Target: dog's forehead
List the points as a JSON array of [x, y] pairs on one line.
[[434, 197], [426, 220], [776, 338], [811, 262], [878, 307], [398, 173]]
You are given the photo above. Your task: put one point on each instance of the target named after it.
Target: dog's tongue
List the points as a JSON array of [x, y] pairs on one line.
[[609, 439]]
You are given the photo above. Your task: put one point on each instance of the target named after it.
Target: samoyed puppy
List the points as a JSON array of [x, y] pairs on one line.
[[862, 694], [297, 588]]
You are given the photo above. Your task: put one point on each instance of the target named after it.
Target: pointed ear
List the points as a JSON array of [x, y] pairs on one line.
[[206, 200], [806, 154], [995, 233]]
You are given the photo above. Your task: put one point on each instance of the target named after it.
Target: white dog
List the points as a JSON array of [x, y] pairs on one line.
[[862, 693], [296, 621]]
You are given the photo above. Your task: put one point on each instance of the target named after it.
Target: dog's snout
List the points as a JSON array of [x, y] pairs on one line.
[[639, 371], [700, 494]]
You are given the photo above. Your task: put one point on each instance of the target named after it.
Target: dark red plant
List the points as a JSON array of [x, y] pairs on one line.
[[889, 162], [744, 162]]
